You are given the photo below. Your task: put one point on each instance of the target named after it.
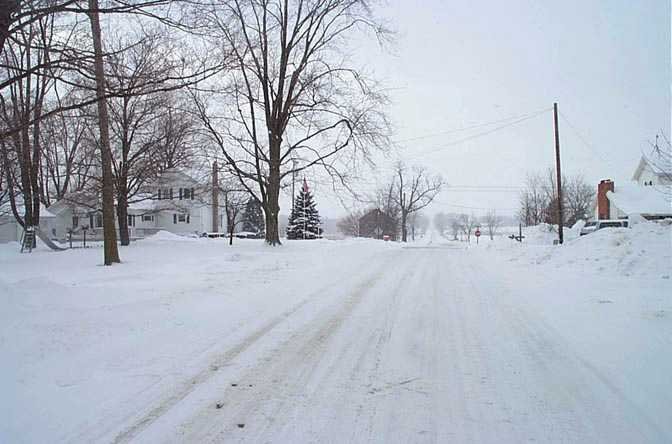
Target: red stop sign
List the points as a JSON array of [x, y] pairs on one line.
[[477, 233]]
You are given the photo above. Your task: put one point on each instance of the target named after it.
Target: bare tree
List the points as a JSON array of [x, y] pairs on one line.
[[68, 155], [533, 201], [178, 137], [234, 199], [19, 104], [441, 223], [111, 252], [135, 117], [418, 223], [413, 189], [349, 225], [579, 198], [492, 222], [296, 100], [467, 224], [455, 227]]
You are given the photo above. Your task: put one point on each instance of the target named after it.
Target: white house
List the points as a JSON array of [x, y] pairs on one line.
[[649, 195], [646, 175], [11, 230], [176, 202]]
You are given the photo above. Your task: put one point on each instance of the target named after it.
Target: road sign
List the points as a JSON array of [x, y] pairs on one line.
[[477, 233]]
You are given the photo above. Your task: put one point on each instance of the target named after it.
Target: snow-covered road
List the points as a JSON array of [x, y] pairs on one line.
[[431, 343]]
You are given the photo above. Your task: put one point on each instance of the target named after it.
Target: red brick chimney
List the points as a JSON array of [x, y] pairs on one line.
[[602, 201]]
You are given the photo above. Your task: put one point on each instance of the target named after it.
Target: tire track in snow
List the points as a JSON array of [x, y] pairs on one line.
[[278, 377], [269, 377], [190, 385]]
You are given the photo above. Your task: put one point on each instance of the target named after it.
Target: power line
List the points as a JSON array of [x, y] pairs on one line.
[[583, 140], [484, 133], [445, 204], [467, 128]]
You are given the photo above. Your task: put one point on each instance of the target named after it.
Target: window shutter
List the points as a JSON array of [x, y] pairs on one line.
[[187, 218], [171, 193], [159, 193], [192, 194], [174, 218], [180, 193], [91, 220]]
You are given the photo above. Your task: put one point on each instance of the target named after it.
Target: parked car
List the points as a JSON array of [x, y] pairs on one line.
[[595, 225]]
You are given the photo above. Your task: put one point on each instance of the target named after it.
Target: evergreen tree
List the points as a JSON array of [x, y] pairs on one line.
[[253, 218], [304, 222]]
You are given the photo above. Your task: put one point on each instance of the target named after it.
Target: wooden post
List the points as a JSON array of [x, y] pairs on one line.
[[557, 171], [215, 198]]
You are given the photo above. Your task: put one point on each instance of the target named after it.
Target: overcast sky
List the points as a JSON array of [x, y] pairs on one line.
[[461, 64]]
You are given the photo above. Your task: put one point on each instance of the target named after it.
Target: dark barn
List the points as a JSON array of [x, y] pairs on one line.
[[376, 224]]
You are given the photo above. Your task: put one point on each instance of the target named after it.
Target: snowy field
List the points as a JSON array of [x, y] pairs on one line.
[[190, 340]]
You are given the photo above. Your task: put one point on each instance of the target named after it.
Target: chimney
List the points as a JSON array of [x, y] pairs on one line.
[[602, 201], [215, 198]]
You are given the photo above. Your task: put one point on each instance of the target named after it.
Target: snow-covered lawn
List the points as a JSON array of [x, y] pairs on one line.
[[190, 340]]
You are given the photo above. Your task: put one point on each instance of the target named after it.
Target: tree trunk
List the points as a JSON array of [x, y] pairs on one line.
[[122, 216], [215, 198], [7, 8], [111, 253], [271, 207], [404, 230], [231, 228], [272, 237]]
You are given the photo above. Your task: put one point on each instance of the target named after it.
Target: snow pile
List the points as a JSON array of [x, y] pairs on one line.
[[546, 234], [163, 235], [645, 250]]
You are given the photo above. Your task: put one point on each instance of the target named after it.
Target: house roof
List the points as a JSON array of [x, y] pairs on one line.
[[176, 175], [635, 199], [5, 208], [376, 214], [75, 199], [644, 165], [143, 202]]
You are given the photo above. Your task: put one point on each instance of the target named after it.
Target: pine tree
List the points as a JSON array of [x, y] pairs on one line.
[[253, 218], [304, 222]]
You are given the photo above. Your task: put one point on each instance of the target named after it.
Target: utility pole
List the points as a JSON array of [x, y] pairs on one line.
[[557, 171], [293, 181], [215, 198]]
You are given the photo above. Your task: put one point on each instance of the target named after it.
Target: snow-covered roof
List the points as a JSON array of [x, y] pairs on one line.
[[5, 208], [665, 169], [143, 202], [635, 199]]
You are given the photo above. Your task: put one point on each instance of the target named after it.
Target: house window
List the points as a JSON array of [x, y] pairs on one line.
[[165, 193], [186, 193], [181, 218], [148, 218], [75, 221], [131, 220], [99, 220]]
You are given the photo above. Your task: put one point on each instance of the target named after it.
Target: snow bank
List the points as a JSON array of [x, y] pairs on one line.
[[546, 234], [168, 236], [645, 250]]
